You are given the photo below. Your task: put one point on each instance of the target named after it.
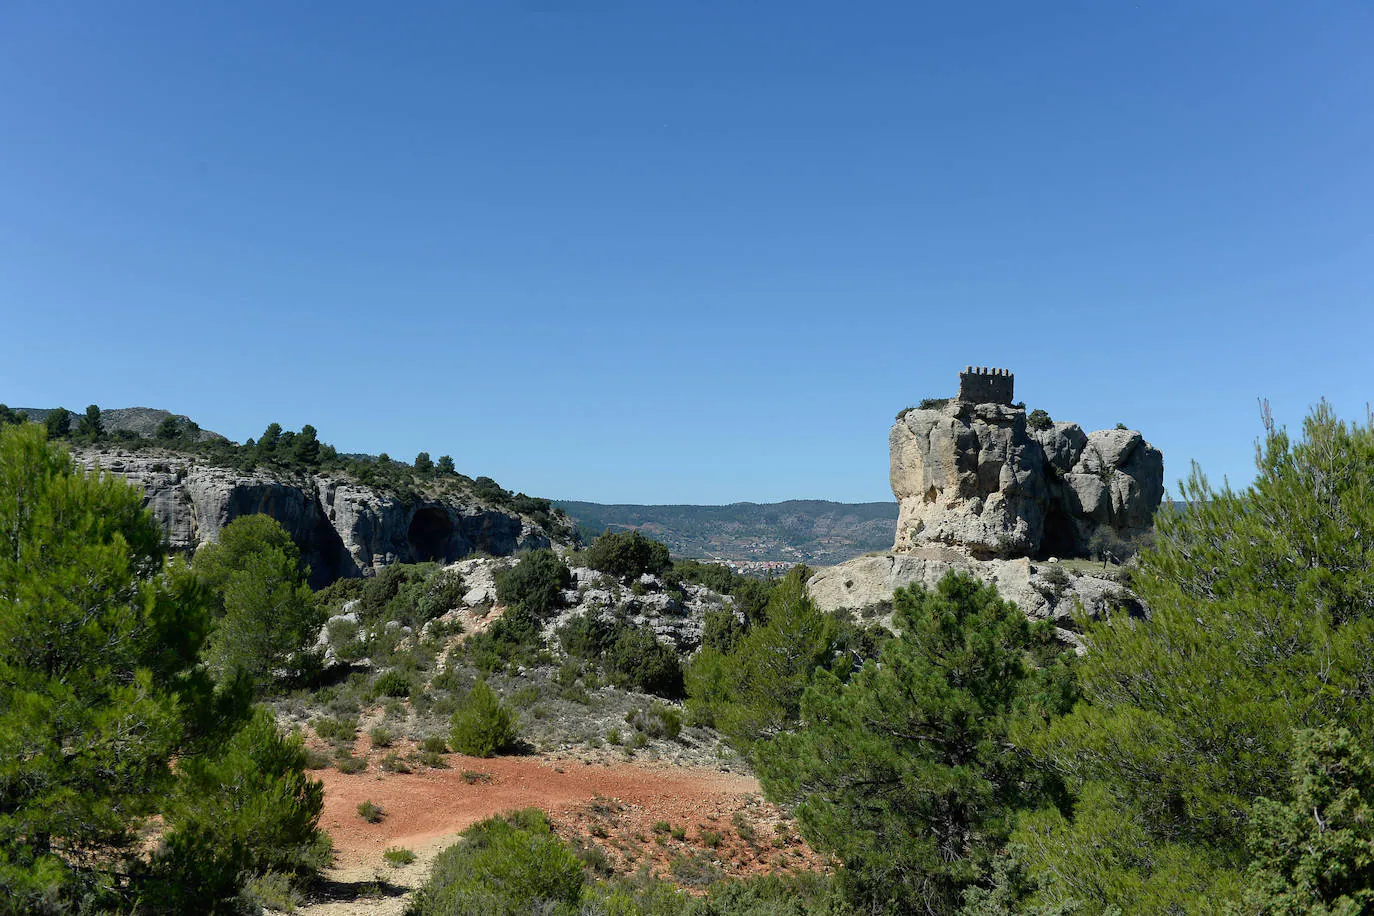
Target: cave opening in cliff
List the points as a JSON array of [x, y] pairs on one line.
[[1061, 537], [429, 535]]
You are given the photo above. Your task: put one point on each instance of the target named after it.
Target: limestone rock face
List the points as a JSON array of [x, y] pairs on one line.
[[343, 528], [973, 476], [865, 585], [967, 475]]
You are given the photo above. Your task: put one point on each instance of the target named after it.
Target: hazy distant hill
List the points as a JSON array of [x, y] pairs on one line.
[[801, 530], [139, 421]]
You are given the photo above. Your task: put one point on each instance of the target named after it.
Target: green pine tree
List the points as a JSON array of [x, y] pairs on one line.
[[1262, 624], [1313, 854], [266, 613], [98, 688], [907, 773]]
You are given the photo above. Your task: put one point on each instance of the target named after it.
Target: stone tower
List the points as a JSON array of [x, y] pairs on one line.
[[981, 385]]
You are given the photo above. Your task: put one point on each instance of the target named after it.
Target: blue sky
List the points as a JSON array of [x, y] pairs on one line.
[[687, 252]]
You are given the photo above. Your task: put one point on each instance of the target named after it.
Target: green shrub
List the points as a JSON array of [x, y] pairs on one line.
[[380, 737], [516, 637], [1038, 419], [695, 870], [536, 582], [637, 659], [392, 763], [504, 866], [433, 760], [658, 721], [346, 763], [371, 813], [335, 730], [393, 684], [247, 810], [473, 777], [627, 555], [482, 726], [434, 744], [397, 856]]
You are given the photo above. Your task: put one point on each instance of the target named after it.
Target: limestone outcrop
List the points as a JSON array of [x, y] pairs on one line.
[[970, 473], [1043, 590], [342, 527], [987, 491]]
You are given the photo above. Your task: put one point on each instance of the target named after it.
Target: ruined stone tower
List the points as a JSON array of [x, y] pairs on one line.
[[981, 385]]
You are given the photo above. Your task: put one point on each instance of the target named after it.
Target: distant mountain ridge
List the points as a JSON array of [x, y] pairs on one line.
[[138, 421], [813, 531]]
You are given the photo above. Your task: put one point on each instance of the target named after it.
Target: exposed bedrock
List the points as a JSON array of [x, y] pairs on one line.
[[973, 476], [342, 527]]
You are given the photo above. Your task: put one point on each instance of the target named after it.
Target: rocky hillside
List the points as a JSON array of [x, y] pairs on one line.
[[344, 528], [808, 531], [135, 422], [350, 514]]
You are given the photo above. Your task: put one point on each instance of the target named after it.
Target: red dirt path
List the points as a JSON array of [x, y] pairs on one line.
[[431, 804]]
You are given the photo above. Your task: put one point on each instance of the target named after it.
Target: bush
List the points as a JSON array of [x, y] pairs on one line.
[[627, 555], [632, 656], [639, 660], [536, 582], [380, 737], [371, 813], [516, 637], [397, 856], [658, 721], [346, 763], [393, 684], [504, 866], [434, 744], [1038, 419], [335, 730], [248, 810], [393, 763], [482, 726]]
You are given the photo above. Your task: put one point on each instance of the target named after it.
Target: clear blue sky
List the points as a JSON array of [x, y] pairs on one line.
[[689, 251]]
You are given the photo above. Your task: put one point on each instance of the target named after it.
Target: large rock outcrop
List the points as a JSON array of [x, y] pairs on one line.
[[342, 527], [985, 492], [970, 473]]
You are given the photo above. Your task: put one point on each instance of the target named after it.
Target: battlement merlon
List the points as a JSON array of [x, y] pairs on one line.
[[981, 385]]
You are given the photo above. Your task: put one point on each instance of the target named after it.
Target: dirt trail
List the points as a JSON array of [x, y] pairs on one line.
[[421, 808]]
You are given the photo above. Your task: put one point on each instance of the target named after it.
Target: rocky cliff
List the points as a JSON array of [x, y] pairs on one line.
[[985, 490], [972, 475], [342, 527]]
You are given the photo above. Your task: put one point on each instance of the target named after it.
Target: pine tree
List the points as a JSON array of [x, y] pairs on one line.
[[907, 773], [1261, 624], [58, 422], [97, 685], [91, 428], [423, 463], [307, 447], [266, 612], [1313, 855], [446, 464]]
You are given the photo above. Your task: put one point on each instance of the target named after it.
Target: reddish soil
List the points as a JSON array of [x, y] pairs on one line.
[[717, 817]]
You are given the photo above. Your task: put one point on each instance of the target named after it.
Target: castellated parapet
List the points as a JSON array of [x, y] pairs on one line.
[[981, 385]]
